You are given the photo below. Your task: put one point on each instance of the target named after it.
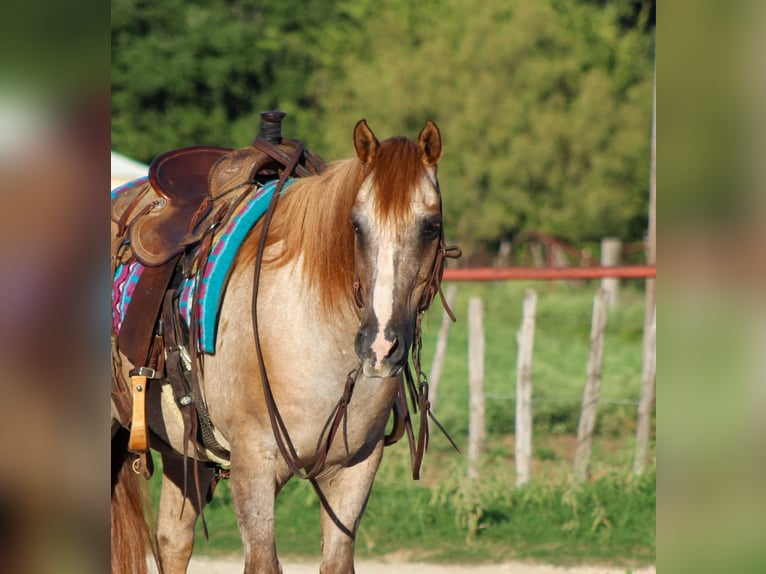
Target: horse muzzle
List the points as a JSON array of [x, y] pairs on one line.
[[382, 354]]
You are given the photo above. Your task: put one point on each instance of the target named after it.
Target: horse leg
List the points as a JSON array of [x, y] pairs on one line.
[[254, 486], [344, 492], [175, 530]]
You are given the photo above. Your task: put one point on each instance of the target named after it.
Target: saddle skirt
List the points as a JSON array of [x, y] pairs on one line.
[[226, 244]]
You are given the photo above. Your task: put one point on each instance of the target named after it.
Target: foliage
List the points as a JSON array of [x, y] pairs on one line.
[[545, 107], [196, 72]]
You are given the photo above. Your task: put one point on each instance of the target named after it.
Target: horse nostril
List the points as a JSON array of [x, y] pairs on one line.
[[393, 352], [394, 347]]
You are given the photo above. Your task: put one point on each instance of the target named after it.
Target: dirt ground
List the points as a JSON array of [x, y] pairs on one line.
[[203, 565]]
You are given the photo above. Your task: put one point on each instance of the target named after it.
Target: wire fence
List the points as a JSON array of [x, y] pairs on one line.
[[523, 398]]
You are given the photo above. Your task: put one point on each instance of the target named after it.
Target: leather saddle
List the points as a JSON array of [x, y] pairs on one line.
[[189, 192], [192, 187]]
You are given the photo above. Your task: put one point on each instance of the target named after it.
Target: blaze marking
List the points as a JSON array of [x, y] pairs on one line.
[[383, 298]]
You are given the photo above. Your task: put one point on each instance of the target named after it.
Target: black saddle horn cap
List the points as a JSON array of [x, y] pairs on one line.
[[270, 127]]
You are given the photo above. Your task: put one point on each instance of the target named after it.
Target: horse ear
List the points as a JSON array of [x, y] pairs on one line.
[[430, 143], [365, 142]]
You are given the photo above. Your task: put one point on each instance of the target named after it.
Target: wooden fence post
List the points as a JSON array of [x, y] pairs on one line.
[[441, 348], [610, 257], [476, 426], [525, 339], [649, 371], [648, 383], [592, 386]]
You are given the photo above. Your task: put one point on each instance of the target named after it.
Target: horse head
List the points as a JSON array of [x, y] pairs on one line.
[[397, 222]]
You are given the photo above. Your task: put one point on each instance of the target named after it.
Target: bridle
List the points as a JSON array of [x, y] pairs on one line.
[[418, 386]]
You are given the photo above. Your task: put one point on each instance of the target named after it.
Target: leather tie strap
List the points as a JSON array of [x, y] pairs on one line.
[[279, 155], [139, 440]]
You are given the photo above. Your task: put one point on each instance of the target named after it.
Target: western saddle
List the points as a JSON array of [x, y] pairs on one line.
[[189, 193]]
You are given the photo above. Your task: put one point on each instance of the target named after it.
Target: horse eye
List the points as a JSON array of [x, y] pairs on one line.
[[357, 227], [431, 229]]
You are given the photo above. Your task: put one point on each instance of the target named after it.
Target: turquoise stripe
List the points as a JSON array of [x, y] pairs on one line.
[[219, 268]]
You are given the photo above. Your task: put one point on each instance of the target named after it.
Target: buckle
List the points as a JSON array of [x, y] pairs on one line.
[[144, 372]]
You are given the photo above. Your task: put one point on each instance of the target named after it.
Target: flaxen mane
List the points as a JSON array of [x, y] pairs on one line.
[[312, 218]]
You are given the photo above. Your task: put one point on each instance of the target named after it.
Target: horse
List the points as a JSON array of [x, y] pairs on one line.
[[349, 265]]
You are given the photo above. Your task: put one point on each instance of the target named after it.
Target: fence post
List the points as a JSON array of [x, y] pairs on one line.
[[649, 371], [648, 382], [592, 386], [441, 348], [525, 339], [610, 257], [476, 427]]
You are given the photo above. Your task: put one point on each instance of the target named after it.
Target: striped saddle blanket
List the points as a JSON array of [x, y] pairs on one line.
[[226, 244]]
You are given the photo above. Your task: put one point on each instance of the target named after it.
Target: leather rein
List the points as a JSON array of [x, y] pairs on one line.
[[417, 386]]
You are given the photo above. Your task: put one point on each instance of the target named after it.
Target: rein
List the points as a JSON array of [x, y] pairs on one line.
[[278, 428]]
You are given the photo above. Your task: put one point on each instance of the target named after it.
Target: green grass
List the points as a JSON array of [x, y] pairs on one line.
[[606, 520], [445, 517]]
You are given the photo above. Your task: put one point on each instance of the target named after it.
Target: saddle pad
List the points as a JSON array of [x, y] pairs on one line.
[[225, 247], [117, 191]]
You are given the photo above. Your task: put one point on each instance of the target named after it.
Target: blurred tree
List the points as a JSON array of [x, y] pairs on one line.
[[545, 107], [187, 72]]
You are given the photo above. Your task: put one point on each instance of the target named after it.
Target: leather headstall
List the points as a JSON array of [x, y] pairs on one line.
[[417, 386]]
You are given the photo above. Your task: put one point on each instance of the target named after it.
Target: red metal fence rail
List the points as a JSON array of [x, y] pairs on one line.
[[549, 273]]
